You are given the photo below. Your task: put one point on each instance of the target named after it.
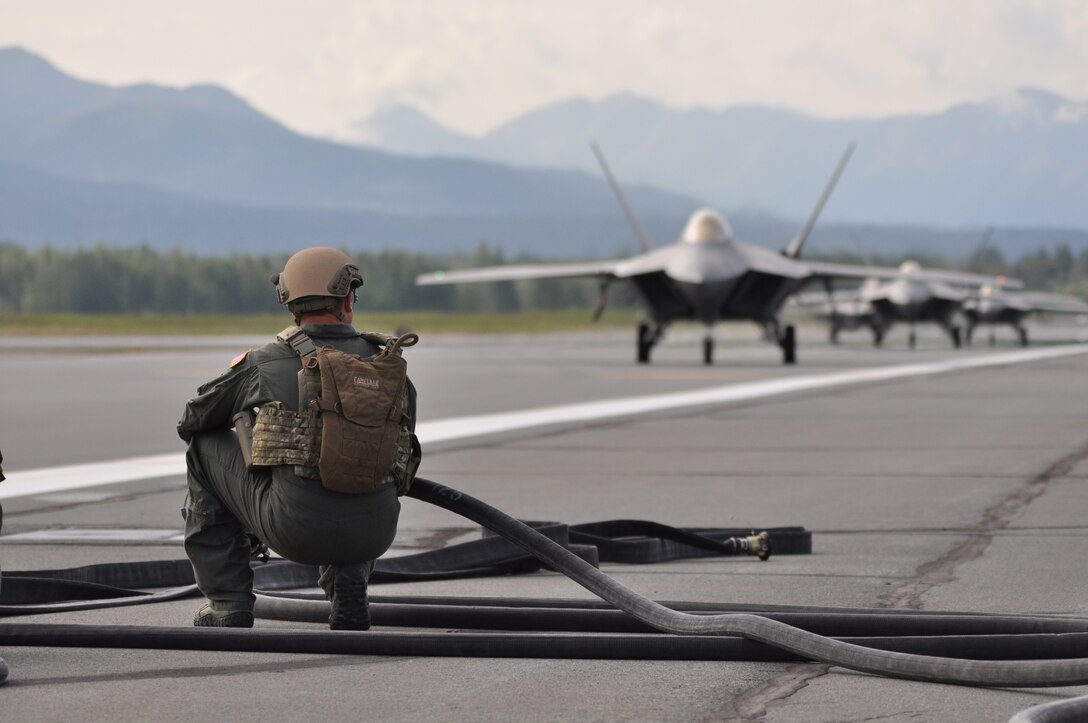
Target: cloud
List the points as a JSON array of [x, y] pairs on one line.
[[476, 63]]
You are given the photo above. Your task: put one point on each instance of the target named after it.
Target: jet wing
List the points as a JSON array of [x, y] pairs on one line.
[[851, 271], [962, 278], [1058, 303], [770, 262], [651, 262], [515, 272], [840, 305], [822, 299], [959, 278]]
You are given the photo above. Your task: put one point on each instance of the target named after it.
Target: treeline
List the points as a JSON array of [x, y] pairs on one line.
[[106, 280], [1055, 269], [1058, 270]]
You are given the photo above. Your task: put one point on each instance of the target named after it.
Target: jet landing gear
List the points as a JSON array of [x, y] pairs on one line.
[[708, 344], [1021, 335], [879, 326], [784, 336], [644, 342], [788, 343], [645, 339]]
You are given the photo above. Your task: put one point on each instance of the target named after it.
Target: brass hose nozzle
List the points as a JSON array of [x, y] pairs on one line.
[[758, 545]]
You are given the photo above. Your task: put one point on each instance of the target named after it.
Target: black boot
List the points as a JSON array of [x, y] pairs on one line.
[[209, 617], [350, 607]]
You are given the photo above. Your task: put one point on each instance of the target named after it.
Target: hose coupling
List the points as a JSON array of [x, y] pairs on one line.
[[757, 545]]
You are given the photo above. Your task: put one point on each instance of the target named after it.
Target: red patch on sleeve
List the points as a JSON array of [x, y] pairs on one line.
[[239, 359]]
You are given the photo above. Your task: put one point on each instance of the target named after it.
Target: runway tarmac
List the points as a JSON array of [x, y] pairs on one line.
[[950, 487]]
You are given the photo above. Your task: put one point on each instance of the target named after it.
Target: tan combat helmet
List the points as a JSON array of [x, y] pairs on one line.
[[316, 279]]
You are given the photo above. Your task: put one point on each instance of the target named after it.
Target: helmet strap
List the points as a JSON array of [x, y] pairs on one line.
[[310, 304]]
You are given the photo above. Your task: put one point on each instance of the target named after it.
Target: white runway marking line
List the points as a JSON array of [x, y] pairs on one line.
[[78, 476], [97, 534]]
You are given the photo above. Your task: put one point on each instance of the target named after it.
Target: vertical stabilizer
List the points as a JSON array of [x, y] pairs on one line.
[[643, 239], [976, 257], [793, 250]]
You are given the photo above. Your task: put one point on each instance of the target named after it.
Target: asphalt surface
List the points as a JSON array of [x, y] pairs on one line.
[[961, 490]]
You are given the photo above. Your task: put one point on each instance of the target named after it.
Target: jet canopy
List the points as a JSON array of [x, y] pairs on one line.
[[707, 226]]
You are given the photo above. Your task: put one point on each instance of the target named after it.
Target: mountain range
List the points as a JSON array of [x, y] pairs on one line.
[[201, 169], [205, 143], [1016, 160]]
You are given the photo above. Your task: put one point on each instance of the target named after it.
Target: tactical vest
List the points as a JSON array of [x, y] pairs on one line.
[[351, 429]]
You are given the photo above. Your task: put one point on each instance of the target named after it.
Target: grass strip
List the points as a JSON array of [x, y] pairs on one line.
[[535, 322]]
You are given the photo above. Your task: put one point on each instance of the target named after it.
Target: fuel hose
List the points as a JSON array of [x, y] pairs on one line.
[[754, 627], [970, 649], [1071, 710]]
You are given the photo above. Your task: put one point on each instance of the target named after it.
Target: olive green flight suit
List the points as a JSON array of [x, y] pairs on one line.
[[295, 516]]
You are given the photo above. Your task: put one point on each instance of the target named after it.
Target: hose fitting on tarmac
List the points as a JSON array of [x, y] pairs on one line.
[[757, 545]]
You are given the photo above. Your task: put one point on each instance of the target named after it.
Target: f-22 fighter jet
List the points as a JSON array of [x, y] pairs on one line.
[[706, 276], [914, 296], [917, 295], [991, 305]]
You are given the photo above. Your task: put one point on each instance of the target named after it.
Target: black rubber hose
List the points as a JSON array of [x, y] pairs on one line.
[[430, 644], [147, 573], [603, 532], [131, 597], [1073, 710], [853, 651], [495, 614], [688, 606], [47, 591], [984, 646], [899, 665], [601, 646], [642, 541], [848, 621]]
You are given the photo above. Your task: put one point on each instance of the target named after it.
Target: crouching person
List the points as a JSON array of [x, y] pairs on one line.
[[323, 445]]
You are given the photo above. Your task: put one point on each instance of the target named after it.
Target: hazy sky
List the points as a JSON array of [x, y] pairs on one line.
[[473, 63]]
